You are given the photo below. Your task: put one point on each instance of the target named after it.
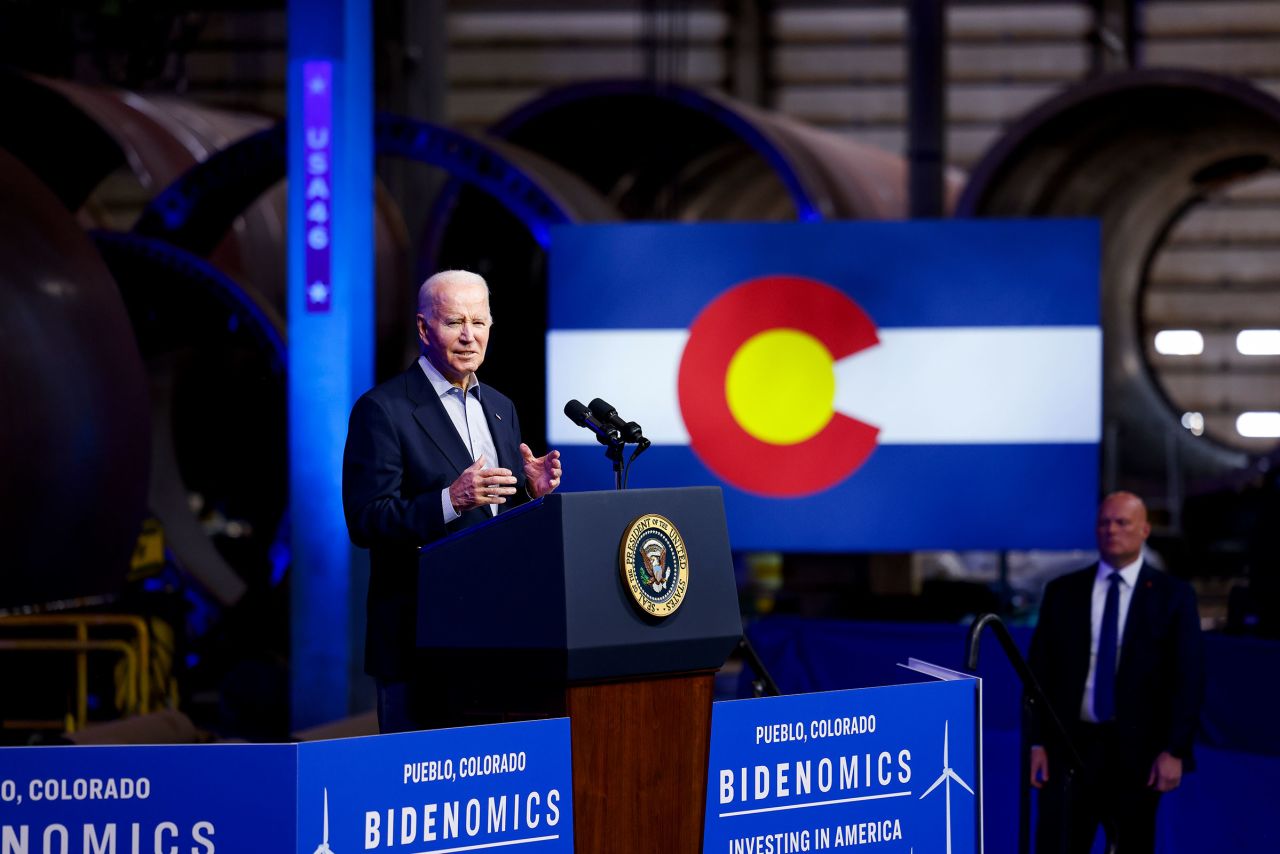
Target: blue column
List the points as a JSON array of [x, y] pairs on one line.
[[331, 329]]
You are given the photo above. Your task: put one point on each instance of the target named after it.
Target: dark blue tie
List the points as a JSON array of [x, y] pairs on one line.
[[1104, 674]]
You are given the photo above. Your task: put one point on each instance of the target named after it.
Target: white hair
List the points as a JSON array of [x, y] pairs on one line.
[[447, 277]]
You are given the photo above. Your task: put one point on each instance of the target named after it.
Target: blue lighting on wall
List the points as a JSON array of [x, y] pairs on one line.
[[330, 315]]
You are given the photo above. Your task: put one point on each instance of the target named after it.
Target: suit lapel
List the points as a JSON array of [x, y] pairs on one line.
[[504, 440], [429, 412], [1082, 627], [1138, 621], [500, 430]]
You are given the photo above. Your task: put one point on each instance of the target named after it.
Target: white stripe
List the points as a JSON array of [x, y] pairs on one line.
[[955, 385], [484, 846], [977, 385], [636, 370], [815, 804]]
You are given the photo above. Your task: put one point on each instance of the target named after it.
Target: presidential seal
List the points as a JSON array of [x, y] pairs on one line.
[[655, 566]]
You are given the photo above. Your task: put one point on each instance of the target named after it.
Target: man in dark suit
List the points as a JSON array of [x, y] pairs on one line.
[[429, 452], [1118, 652]]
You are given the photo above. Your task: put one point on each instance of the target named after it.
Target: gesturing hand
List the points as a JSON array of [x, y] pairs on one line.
[[478, 486], [542, 474]]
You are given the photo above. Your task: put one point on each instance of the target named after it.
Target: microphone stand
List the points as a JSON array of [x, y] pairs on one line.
[[621, 433], [614, 453], [610, 431]]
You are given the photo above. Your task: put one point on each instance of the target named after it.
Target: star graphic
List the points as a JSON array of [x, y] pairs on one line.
[[318, 292]]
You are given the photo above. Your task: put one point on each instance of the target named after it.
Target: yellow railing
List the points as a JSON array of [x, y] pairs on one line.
[[135, 652]]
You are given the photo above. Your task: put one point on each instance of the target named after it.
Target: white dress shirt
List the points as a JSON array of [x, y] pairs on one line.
[[1128, 578], [468, 419]]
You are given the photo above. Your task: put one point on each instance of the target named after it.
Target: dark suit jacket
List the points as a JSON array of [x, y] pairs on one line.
[[401, 451], [1160, 681]]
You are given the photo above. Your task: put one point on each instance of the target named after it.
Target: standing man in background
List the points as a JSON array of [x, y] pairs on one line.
[[1119, 654], [429, 452]]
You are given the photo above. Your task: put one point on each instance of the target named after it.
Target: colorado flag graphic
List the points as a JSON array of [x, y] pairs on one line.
[[851, 386]]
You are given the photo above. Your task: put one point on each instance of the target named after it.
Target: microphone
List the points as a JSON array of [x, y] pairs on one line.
[[580, 415], [628, 430]]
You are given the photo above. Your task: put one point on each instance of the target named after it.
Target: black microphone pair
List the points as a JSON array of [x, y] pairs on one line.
[[603, 420]]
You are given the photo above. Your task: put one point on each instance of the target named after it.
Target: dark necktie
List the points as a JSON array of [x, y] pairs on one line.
[[1104, 674]]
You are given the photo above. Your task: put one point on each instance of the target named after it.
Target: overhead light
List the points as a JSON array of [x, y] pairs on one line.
[[1194, 422], [1258, 342], [1179, 342], [1259, 425]]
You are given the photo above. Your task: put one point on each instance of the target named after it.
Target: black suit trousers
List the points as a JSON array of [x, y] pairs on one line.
[[1106, 794]]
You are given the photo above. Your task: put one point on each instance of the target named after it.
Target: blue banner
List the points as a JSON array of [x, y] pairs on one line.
[[136, 800], [897, 766], [851, 385], [470, 789]]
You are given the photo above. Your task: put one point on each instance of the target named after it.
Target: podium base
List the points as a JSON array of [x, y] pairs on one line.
[[640, 752]]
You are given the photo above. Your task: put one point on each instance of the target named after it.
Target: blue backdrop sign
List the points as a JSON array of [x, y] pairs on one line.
[[850, 385], [470, 789], [139, 800], [897, 767]]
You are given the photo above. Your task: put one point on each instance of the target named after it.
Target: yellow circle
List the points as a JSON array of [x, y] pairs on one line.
[[781, 386]]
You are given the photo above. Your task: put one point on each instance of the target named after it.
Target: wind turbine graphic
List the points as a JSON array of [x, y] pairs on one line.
[[948, 775], [324, 843]]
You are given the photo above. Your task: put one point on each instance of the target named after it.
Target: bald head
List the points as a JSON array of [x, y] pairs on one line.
[[1122, 528]]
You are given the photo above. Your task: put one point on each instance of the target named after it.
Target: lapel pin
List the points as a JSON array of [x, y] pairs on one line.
[[497, 416]]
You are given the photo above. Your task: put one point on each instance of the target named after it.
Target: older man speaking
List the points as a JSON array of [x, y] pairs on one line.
[[428, 453]]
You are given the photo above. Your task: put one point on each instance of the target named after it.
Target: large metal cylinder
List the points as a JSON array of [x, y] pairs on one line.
[[670, 152], [74, 423], [150, 141], [218, 388], [1134, 150]]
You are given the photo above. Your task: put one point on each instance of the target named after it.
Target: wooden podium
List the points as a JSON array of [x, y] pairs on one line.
[[527, 615]]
